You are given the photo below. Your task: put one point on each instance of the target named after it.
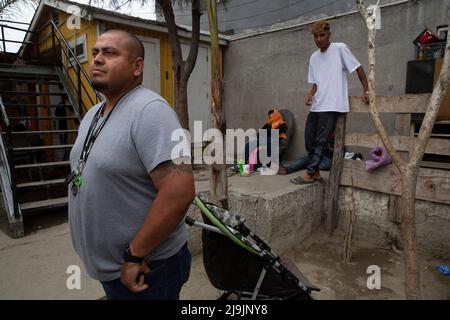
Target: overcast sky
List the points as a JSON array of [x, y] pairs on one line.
[[27, 13]]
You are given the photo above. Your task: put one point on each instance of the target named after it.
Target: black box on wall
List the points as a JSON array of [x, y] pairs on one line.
[[419, 76]]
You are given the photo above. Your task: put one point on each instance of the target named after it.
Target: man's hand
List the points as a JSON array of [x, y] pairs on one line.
[[309, 100], [365, 97], [132, 276], [309, 97]]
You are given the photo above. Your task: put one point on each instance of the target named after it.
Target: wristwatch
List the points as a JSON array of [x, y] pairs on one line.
[[128, 256]]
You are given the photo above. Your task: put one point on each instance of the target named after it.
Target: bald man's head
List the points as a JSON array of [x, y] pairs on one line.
[[117, 62], [133, 44]]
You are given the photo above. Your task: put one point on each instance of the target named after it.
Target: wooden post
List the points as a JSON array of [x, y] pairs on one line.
[[331, 201], [219, 178], [352, 219]]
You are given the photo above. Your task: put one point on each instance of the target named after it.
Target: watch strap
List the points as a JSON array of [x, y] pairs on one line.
[[129, 257]]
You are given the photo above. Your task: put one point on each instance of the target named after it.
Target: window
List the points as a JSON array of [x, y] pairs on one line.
[[442, 32], [79, 48]]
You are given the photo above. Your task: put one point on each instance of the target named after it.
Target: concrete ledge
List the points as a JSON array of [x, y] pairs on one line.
[[284, 214], [375, 227], [279, 212]]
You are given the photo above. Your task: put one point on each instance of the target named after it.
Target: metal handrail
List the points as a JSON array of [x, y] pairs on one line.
[[15, 22], [4, 40], [70, 50], [4, 114], [9, 184], [70, 57]]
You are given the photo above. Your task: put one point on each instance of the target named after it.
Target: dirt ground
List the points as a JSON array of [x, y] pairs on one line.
[[34, 267], [320, 259]]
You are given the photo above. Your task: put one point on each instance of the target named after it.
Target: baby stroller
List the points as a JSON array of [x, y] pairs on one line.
[[239, 262]]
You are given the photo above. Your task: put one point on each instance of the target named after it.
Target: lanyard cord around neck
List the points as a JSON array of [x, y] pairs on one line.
[[93, 133]]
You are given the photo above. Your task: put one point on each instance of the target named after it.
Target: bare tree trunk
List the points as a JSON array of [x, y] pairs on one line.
[[410, 170], [408, 228], [219, 178], [182, 69], [331, 203], [181, 98]]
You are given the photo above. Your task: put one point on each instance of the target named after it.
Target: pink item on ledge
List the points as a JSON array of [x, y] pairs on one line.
[[380, 157], [253, 158]]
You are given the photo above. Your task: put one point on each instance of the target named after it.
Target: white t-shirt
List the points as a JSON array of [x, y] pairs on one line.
[[328, 71]]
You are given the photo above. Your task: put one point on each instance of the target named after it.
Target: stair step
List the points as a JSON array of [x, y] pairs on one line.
[[21, 69], [43, 204], [59, 146], [31, 93], [42, 132], [48, 82], [42, 164], [43, 118], [40, 183], [37, 105], [36, 78]]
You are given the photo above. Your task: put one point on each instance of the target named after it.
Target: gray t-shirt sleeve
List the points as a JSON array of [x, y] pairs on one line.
[[151, 132]]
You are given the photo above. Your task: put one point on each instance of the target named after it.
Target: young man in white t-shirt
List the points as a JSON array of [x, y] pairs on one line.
[[328, 68]]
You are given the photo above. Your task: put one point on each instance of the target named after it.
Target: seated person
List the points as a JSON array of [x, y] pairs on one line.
[[274, 121], [302, 163]]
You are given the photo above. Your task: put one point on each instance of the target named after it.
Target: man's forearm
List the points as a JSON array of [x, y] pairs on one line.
[[313, 90], [165, 214], [362, 78]]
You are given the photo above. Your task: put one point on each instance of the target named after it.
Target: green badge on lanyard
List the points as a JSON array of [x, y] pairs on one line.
[[78, 181]]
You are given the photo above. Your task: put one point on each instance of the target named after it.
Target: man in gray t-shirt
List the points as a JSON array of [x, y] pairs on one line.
[[127, 198]]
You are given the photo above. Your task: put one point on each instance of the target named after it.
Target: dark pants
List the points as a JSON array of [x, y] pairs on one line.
[[165, 279], [318, 130], [302, 163]]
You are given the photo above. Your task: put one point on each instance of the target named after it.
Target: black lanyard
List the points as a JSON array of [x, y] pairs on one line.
[[93, 133], [91, 136]]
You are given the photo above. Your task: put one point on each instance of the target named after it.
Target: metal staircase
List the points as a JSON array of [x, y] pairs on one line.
[[41, 108]]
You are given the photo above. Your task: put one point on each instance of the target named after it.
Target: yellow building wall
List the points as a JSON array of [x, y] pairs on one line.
[[90, 29], [45, 36], [166, 64]]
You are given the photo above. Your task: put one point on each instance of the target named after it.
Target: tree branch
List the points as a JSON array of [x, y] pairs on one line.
[[399, 163], [177, 56], [195, 38]]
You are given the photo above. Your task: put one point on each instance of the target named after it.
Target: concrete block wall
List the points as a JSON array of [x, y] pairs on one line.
[[283, 221], [376, 228], [270, 69]]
